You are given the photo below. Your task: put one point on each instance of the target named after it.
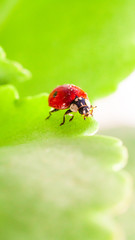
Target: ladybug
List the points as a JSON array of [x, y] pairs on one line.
[[71, 97]]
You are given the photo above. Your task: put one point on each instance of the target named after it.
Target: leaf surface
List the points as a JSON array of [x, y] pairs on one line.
[[87, 43], [11, 71], [55, 189], [57, 182]]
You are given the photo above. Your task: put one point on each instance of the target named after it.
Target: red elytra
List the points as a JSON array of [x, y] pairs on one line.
[[62, 96]]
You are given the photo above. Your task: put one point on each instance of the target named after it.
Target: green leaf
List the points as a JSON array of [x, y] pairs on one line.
[[11, 71], [127, 134], [24, 119], [57, 184], [88, 43], [6, 7], [63, 188]]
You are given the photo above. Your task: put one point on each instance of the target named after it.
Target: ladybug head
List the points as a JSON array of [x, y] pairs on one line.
[[83, 106], [85, 110]]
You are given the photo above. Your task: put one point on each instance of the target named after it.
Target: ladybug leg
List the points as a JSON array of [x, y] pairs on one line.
[[50, 113], [72, 116], [68, 112]]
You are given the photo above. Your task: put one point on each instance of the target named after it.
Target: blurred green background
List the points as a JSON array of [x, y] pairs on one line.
[[62, 183], [127, 135], [87, 43]]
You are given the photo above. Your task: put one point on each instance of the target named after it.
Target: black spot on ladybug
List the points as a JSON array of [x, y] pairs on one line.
[[55, 94]]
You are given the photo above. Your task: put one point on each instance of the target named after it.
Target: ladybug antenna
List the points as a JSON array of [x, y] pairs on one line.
[[91, 109]]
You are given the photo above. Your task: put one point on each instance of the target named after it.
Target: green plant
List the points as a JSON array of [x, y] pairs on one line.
[[61, 182]]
